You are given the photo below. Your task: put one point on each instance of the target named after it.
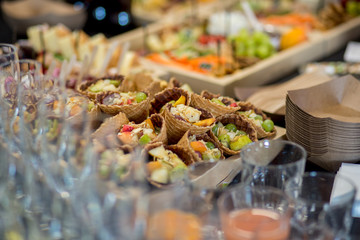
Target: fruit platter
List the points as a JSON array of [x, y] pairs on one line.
[[224, 49]]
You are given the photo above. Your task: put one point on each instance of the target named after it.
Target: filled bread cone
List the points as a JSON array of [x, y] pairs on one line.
[[167, 95], [154, 127], [106, 133], [204, 101], [181, 152], [83, 88], [241, 123], [136, 112], [177, 126], [260, 132], [145, 82], [185, 143]]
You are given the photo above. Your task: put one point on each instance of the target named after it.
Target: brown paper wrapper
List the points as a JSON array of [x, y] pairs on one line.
[[106, 134], [136, 112], [241, 123], [83, 87], [184, 142], [182, 153], [176, 128], [337, 99], [260, 132], [203, 101], [166, 96]]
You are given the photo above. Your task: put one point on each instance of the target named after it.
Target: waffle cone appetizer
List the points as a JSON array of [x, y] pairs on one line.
[[167, 95], [106, 133], [142, 82], [204, 101], [261, 133], [151, 130], [84, 88], [186, 143], [241, 123], [184, 159], [136, 112], [176, 126]]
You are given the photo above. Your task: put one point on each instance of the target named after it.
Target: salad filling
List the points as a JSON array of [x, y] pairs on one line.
[[230, 136], [141, 134], [166, 167], [266, 124], [124, 98], [207, 151]]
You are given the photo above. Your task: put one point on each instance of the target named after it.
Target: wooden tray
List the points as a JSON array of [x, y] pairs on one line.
[[319, 45]]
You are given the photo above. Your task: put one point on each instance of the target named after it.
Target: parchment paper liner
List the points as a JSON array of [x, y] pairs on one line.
[[82, 88], [241, 123], [203, 101], [182, 153], [176, 128], [106, 134], [142, 82], [184, 142], [136, 112], [260, 132], [166, 96]]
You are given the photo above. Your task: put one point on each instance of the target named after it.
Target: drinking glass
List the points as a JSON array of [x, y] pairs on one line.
[[255, 212], [208, 179], [317, 206], [176, 214], [8, 53], [272, 163]]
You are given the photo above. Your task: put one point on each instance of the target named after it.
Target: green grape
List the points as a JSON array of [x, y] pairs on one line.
[[262, 51], [145, 139], [260, 38], [250, 52], [258, 117], [210, 145], [140, 96], [231, 127], [217, 154], [240, 132], [268, 125], [215, 129]]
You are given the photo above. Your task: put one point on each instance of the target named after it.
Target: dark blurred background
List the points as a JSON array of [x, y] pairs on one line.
[[111, 17]]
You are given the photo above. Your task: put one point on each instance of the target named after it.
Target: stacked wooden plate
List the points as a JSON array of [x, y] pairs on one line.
[[325, 120]]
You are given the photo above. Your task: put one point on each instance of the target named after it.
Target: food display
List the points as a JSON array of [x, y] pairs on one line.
[[58, 43], [92, 136]]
